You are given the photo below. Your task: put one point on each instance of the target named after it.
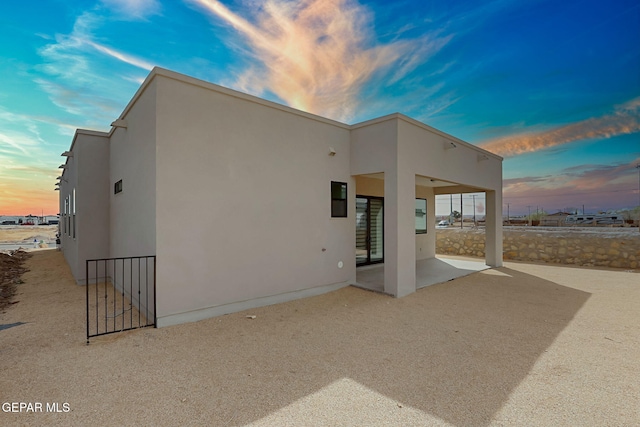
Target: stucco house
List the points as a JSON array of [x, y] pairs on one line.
[[246, 202]]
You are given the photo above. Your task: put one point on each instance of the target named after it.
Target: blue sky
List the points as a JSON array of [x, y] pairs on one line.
[[554, 87]]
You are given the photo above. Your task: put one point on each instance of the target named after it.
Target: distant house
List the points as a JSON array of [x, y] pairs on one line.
[[555, 219], [288, 203], [594, 219], [51, 220], [29, 220]]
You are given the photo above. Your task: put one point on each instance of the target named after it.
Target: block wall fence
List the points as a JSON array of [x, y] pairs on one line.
[[617, 249]]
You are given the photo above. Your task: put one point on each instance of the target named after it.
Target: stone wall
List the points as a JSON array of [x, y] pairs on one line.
[[605, 247]]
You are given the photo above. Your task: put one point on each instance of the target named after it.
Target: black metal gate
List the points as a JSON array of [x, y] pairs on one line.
[[121, 294]]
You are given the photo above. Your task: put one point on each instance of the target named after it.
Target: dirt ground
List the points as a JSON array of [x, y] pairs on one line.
[[521, 345], [11, 270], [27, 233]]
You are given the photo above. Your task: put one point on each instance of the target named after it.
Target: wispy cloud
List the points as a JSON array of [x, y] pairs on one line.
[[133, 9], [624, 120], [126, 58], [596, 177], [599, 187], [29, 159], [15, 143], [316, 55], [26, 181], [74, 75]]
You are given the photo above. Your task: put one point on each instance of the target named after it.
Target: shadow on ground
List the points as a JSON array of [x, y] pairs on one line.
[[455, 351]]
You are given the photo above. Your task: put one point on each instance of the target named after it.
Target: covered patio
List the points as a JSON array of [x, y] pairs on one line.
[[428, 272], [400, 166]]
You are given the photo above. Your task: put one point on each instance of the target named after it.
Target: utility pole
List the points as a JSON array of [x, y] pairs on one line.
[[474, 209], [461, 216], [529, 217], [508, 215]]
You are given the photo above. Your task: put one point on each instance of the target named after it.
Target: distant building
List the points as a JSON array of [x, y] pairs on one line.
[[594, 219], [554, 220], [288, 203]]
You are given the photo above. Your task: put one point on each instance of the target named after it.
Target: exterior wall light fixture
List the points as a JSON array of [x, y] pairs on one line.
[[449, 145]]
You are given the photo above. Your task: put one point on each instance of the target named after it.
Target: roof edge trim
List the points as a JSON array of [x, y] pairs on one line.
[[158, 71], [87, 132], [407, 119], [447, 136]]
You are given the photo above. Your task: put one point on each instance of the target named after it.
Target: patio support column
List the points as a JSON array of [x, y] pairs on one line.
[[399, 233], [493, 231]]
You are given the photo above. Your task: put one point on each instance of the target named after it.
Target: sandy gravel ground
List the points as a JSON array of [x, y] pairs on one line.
[[523, 345], [27, 233], [13, 237]]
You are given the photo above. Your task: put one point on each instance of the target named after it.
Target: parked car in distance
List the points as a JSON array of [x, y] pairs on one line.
[[443, 223]]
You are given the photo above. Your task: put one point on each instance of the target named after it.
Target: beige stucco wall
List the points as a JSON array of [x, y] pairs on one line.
[[93, 197], [88, 174], [366, 186], [422, 150], [243, 203], [68, 182], [232, 193], [402, 149], [133, 160], [373, 147], [425, 243]]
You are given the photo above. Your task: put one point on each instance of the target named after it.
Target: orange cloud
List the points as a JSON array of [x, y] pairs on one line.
[[317, 54], [625, 120]]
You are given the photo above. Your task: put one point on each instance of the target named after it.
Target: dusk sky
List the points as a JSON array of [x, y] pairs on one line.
[[552, 86]]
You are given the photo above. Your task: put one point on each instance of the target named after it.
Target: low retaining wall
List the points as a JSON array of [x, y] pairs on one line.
[[618, 248]]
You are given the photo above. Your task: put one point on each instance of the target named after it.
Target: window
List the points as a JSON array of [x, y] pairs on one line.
[[421, 216], [64, 217], [117, 187], [68, 209], [73, 212], [338, 199]]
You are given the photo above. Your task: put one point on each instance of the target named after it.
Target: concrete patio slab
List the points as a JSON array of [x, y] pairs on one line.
[[428, 272]]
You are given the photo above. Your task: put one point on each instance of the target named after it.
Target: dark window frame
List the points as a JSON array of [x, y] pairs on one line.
[[339, 205], [73, 213], [68, 209], [426, 214]]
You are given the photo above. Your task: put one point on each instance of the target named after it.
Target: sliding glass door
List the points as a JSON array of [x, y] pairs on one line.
[[369, 230]]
